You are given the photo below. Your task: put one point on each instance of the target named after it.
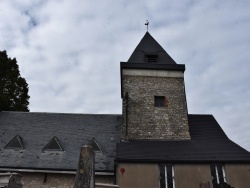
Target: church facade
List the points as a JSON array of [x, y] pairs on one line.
[[154, 143]]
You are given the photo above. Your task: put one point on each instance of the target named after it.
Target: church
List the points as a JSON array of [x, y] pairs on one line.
[[154, 143]]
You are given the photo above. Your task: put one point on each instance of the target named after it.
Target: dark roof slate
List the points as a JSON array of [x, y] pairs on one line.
[[148, 45], [72, 130], [208, 144]]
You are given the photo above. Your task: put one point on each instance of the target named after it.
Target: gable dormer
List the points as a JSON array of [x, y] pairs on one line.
[[153, 93], [53, 145], [16, 143]]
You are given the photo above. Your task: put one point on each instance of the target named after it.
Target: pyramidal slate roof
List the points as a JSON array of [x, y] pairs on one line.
[[149, 46], [208, 144], [72, 131]]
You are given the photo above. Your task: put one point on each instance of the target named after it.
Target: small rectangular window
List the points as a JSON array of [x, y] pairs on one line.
[[167, 176], [218, 175], [160, 101]]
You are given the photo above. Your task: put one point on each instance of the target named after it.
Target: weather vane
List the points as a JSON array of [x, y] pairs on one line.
[[147, 24]]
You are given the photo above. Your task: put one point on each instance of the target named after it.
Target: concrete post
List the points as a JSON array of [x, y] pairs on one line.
[[85, 176]]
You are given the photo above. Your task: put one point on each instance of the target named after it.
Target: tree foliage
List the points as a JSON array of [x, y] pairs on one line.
[[13, 88]]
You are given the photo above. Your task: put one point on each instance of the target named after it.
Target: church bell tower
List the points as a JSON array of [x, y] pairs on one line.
[[153, 95]]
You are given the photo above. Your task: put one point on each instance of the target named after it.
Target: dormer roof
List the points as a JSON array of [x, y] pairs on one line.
[[53, 145], [93, 143], [148, 46], [16, 143]]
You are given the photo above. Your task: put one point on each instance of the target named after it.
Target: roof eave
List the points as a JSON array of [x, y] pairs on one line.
[[154, 66], [208, 161], [52, 171]]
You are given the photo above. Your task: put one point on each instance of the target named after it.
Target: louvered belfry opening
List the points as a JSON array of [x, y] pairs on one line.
[[151, 58]]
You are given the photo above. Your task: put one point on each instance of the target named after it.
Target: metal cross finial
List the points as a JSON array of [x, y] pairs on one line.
[[147, 24]]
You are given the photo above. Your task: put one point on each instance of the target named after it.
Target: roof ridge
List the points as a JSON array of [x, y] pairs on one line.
[[19, 112]]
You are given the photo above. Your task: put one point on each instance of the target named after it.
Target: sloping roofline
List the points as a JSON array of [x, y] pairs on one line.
[[149, 46]]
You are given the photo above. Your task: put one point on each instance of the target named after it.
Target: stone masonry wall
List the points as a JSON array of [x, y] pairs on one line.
[[143, 119], [38, 180], [31, 180]]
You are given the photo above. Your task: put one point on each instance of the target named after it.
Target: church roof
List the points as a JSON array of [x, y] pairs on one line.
[[149, 46], [208, 144], [71, 131]]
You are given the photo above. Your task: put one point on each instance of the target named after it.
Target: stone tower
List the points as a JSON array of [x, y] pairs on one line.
[[153, 94]]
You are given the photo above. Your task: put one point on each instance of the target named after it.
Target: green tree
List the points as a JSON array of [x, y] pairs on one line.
[[13, 88]]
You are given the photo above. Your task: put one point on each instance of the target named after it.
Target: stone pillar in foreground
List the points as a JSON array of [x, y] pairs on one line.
[[85, 176]]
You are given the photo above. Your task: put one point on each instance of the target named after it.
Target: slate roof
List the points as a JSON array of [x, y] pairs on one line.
[[72, 130], [208, 144], [148, 45]]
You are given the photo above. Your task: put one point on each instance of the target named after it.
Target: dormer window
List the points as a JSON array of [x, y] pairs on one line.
[[16, 143], [53, 145], [151, 58], [93, 143]]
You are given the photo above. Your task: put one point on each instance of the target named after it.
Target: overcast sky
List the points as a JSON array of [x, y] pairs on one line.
[[69, 52]]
